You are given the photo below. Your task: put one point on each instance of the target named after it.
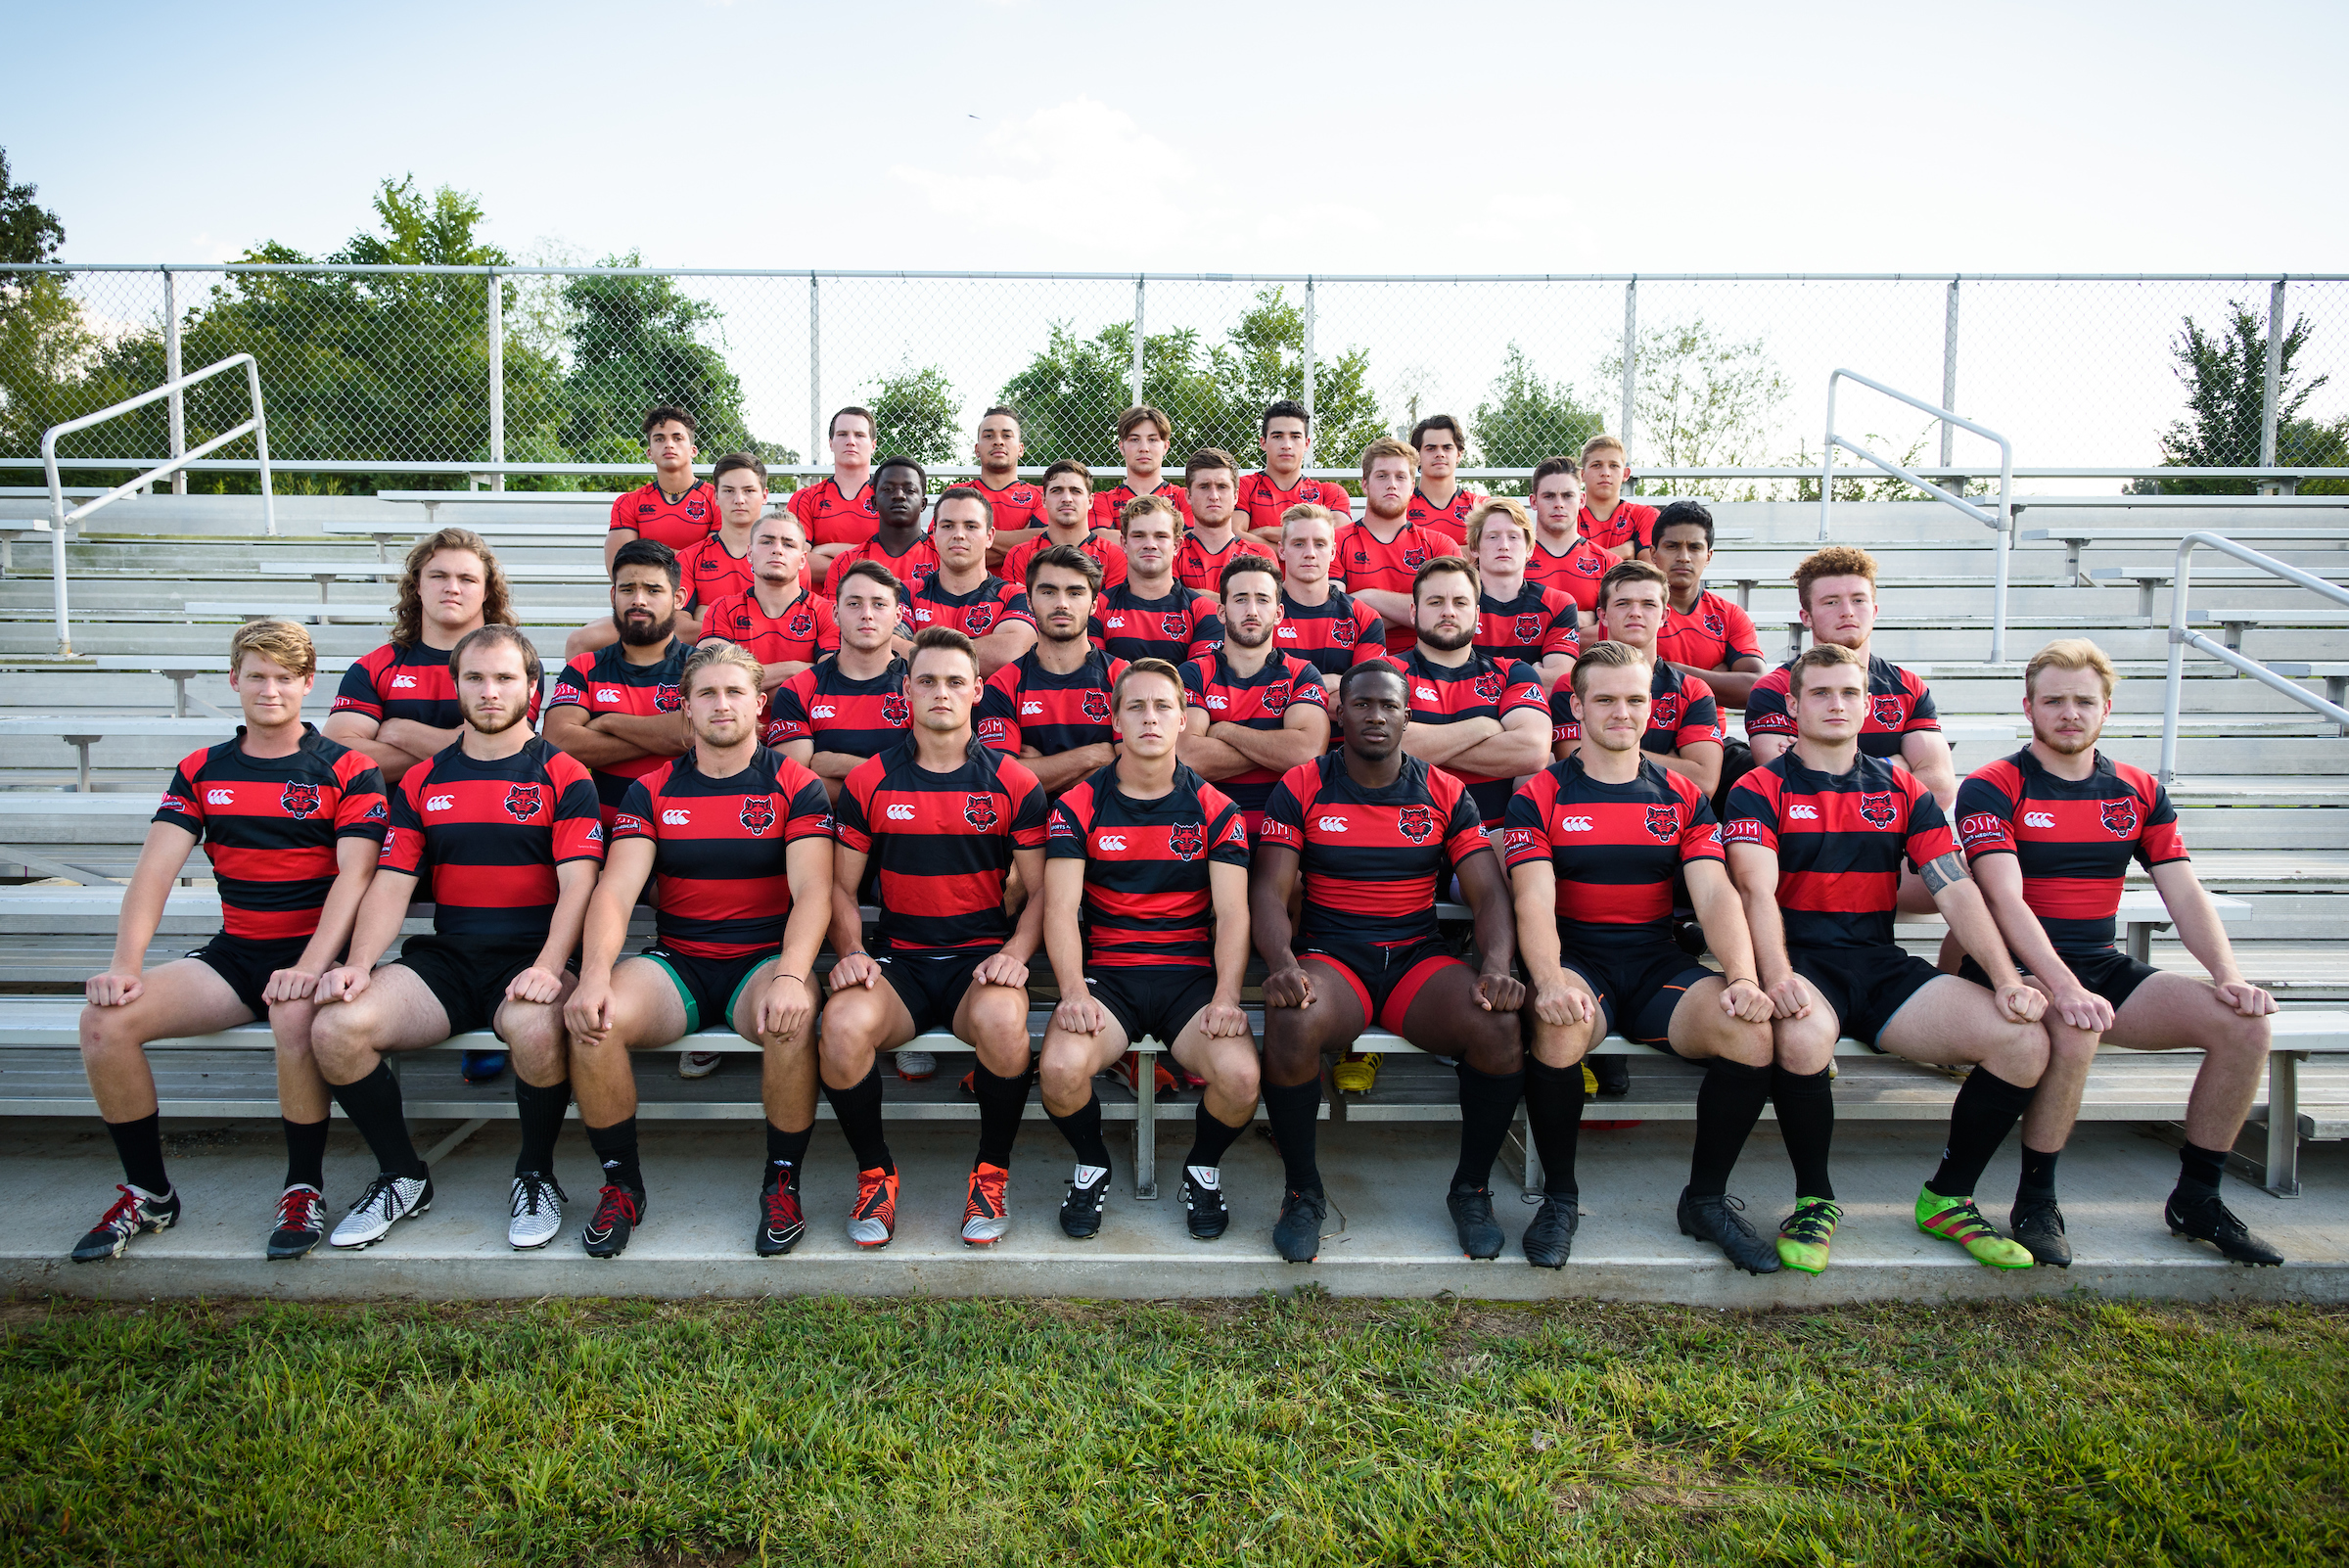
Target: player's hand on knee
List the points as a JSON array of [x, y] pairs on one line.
[[112, 988], [290, 985], [2082, 1008], [589, 1013], [857, 969], [787, 1008], [535, 985], [1225, 1021], [344, 983], [1289, 988], [1747, 1003], [2246, 999], [1559, 1005], [1499, 992], [2021, 1004], [1080, 1014], [1791, 997], [1000, 969]]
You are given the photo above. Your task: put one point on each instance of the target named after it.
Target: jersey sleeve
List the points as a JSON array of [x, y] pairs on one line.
[[1563, 635], [1226, 828], [405, 848], [1700, 715], [359, 692], [811, 808], [1369, 634], [1525, 825], [1065, 827], [1700, 834], [637, 817], [2161, 840], [996, 719], [571, 686], [1921, 713], [1304, 685], [1929, 837], [1207, 629], [1029, 806], [1985, 816], [1014, 601], [579, 815], [1284, 821], [1522, 689], [1737, 631], [1562, 727], [787, 713], [182, 804], [618, 517], [1195, 681], [851, 825], [362, 813], [827, 627], [1464, 829], [1753, 813], [1766, 708]]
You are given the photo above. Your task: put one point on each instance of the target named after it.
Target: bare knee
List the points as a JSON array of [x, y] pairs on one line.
[[1066, 1071], [340, 1037], [1241, 1077], [1495, 1047], [1564, 1045], [106, 1033], [1747, 1044], [2022, 1056], [1801, 1047]]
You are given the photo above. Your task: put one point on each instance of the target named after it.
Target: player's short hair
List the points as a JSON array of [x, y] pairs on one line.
[[407, 611], [1483, 512], [730, 655], [1684, 515], [1633, 571], [1007, 411], [1144, 666], [280, 642], [1835, 561], [873, 572], [1144, 414], [1552, 468], [670, 413], [1207, 460], [2071, 653], [1067, 465], [1143, 506], [1068, 558], [1286, 408], [1243, 562], [1605, 656], [497, 636], [1447, 563], [1308, 512], [1820, 656], [652, 553], [1605, 443], [964, 492], [1389, 446], [1370, 666], [737, 460], [898, 460], [782, 514], [929, 638], [871, 425], [1459, 437]]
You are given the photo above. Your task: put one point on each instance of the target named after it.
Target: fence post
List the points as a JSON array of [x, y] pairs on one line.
[[179, 407], [1134, 377], [2272, 386], [497, 378], [1309, 343], [1949, 375], [816, 373], [1631, 357]]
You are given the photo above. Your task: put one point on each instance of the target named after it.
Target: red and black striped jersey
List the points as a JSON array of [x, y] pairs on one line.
[[688, 519], [1617, 849], [1101, 544], [1333, 635], [942, 844], [2074, 840], [706, 572], [1365, 561], [1898, 703], [1197, 567], [1108, 504], [1840, 839], [1577, 574], [1017, 505], [853, 718], [1713, 633], [804, 632], [827, 517], [1184, 624], [1027, 705], [1371, 860], [1481, 688], [1450, 520], [1146, 896], [1262, 502], [917, 565], [411, 683], [1537, 623], [721, 886], [486, 836], [605, 682], [990, 607], [1680, 712], [270, 825], [1629, 524], [1261, 701]]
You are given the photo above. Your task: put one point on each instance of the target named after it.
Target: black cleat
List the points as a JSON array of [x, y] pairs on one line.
[[1550, 1237], [1203, 1211], [2038, 1223], [1612, 1074], [2206, 1219], [1481, 1236], [1080, 1210], [300, 1224], [1721, 1220], [781, 1223], [1298, 1235], [131, 1216], [619, 1211]]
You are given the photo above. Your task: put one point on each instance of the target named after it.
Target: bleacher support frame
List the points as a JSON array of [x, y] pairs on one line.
[[2181, 638]]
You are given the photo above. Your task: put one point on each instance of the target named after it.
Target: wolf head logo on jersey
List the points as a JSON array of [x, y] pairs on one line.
[[1487, 685], [977, 619], [979, 811], [1416, 557], [1665, 711], [523, 801], [1342, 632], [298, 799], [1664, 821], [1890, 710], [1879, 810], [896, 709], [1186, 840], [666, 698], [2120, 816], [758, 812], [1593, 566], [1095, 704], [1416, 823], [1174, 626], [801, 624], [1527, 631], [1275, 700]]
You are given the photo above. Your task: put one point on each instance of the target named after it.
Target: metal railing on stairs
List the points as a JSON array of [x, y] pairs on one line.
[[2182, 639], [60, 520], [2002, 522]]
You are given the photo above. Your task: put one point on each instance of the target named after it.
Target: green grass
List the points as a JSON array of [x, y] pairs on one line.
[[1295, 1430]]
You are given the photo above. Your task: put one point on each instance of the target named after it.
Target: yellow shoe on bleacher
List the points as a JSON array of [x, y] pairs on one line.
[[1590, 1081], [1357, 1073]]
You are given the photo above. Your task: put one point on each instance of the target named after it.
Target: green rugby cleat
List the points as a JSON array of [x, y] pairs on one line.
[[1957, 1220], [1804, 1234]]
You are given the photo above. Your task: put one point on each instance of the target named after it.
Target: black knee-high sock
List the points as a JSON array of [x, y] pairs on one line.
[[859, 1113], [1728, 1103], [374, 1107], [541, 1114], [140, 1144], [2039, 1170], [786, 1152], [1083, 1129], [616, 1147], [2200, 1169], [1002, 1103], [1805, 1106], [1987, 1109], [305, 1153], [1487, 1105], [1292, 1109], [1554, 1097], [1210, 1138]]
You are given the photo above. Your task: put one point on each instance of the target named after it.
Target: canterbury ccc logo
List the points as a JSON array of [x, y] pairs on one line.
[[758, 812], [522, 801], [1112, 843], [821, 710], [1801, 811], [2045, 819], [441, 803], [298, 799], [1576, 824], [676, 819], [1330, 824], [219, 797], [900, 813], [607, 694]]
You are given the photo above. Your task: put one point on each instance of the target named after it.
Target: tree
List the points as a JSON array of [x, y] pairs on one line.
[[916, 414], [637, 342], [2225, 374], [1527, 419], [29, 231], [1702, 402]]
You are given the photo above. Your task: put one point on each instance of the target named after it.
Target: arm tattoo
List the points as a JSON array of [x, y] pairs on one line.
[[1942, 871]]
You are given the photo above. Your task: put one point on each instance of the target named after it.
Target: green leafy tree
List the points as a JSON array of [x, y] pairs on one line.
[[1525, 419], [2225, 373], [637, 342], [1703, 402], [917, 414]]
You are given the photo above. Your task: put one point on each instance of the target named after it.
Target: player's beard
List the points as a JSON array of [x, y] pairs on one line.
[[1401, 508], [651, 637], [506, 722], [1231, 634], [1446, 642], [2068, 745]]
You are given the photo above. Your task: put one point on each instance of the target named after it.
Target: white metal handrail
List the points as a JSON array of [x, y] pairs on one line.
[[60, 519], [2002, 522], [2182, 639]]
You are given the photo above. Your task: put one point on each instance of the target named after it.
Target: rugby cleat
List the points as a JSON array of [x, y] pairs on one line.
[[1080, 1210], [1721, 1220], [1481, 1236], [985, 1212], [134, 1213], [300, 1224], [699, 1064], [781, 1220], [1203, 1211], [914, 1066], [534, 1211], [619, 1211], [1611, 1076], [481, 1067], [1804, 1235], [1549, 1240], [874, 1220], [1957, 1220], [2206, 1219], [2038, 1223], [1357, 1074], [388, 1200], [1298, 1234]]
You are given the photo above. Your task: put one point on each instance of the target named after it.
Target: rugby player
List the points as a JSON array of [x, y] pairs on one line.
[[2051, 832], [1365, 833], [720, 566], [675, 510], [1211, 483], [1518, 619], [1704, 634], [1254, 711], [1050, 707], [1143, 435], [962, 596], [1815, 839], [1560, 557], [1441, 504], [508, 831], [1483, 721], [1595, 843], [784, 626], [1285, 437], [851, 705], [1142, 858], [736, 842], [944, 822], [1606, 519], [1320, 622], [1379, 556], [292, 823], [617, 710], [1017, 505], [1150, 614], [1684, 734], [901, 493], [1067, 499], [840, 512]]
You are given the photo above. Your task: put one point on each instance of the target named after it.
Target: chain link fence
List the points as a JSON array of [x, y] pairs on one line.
[[420, 375]]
